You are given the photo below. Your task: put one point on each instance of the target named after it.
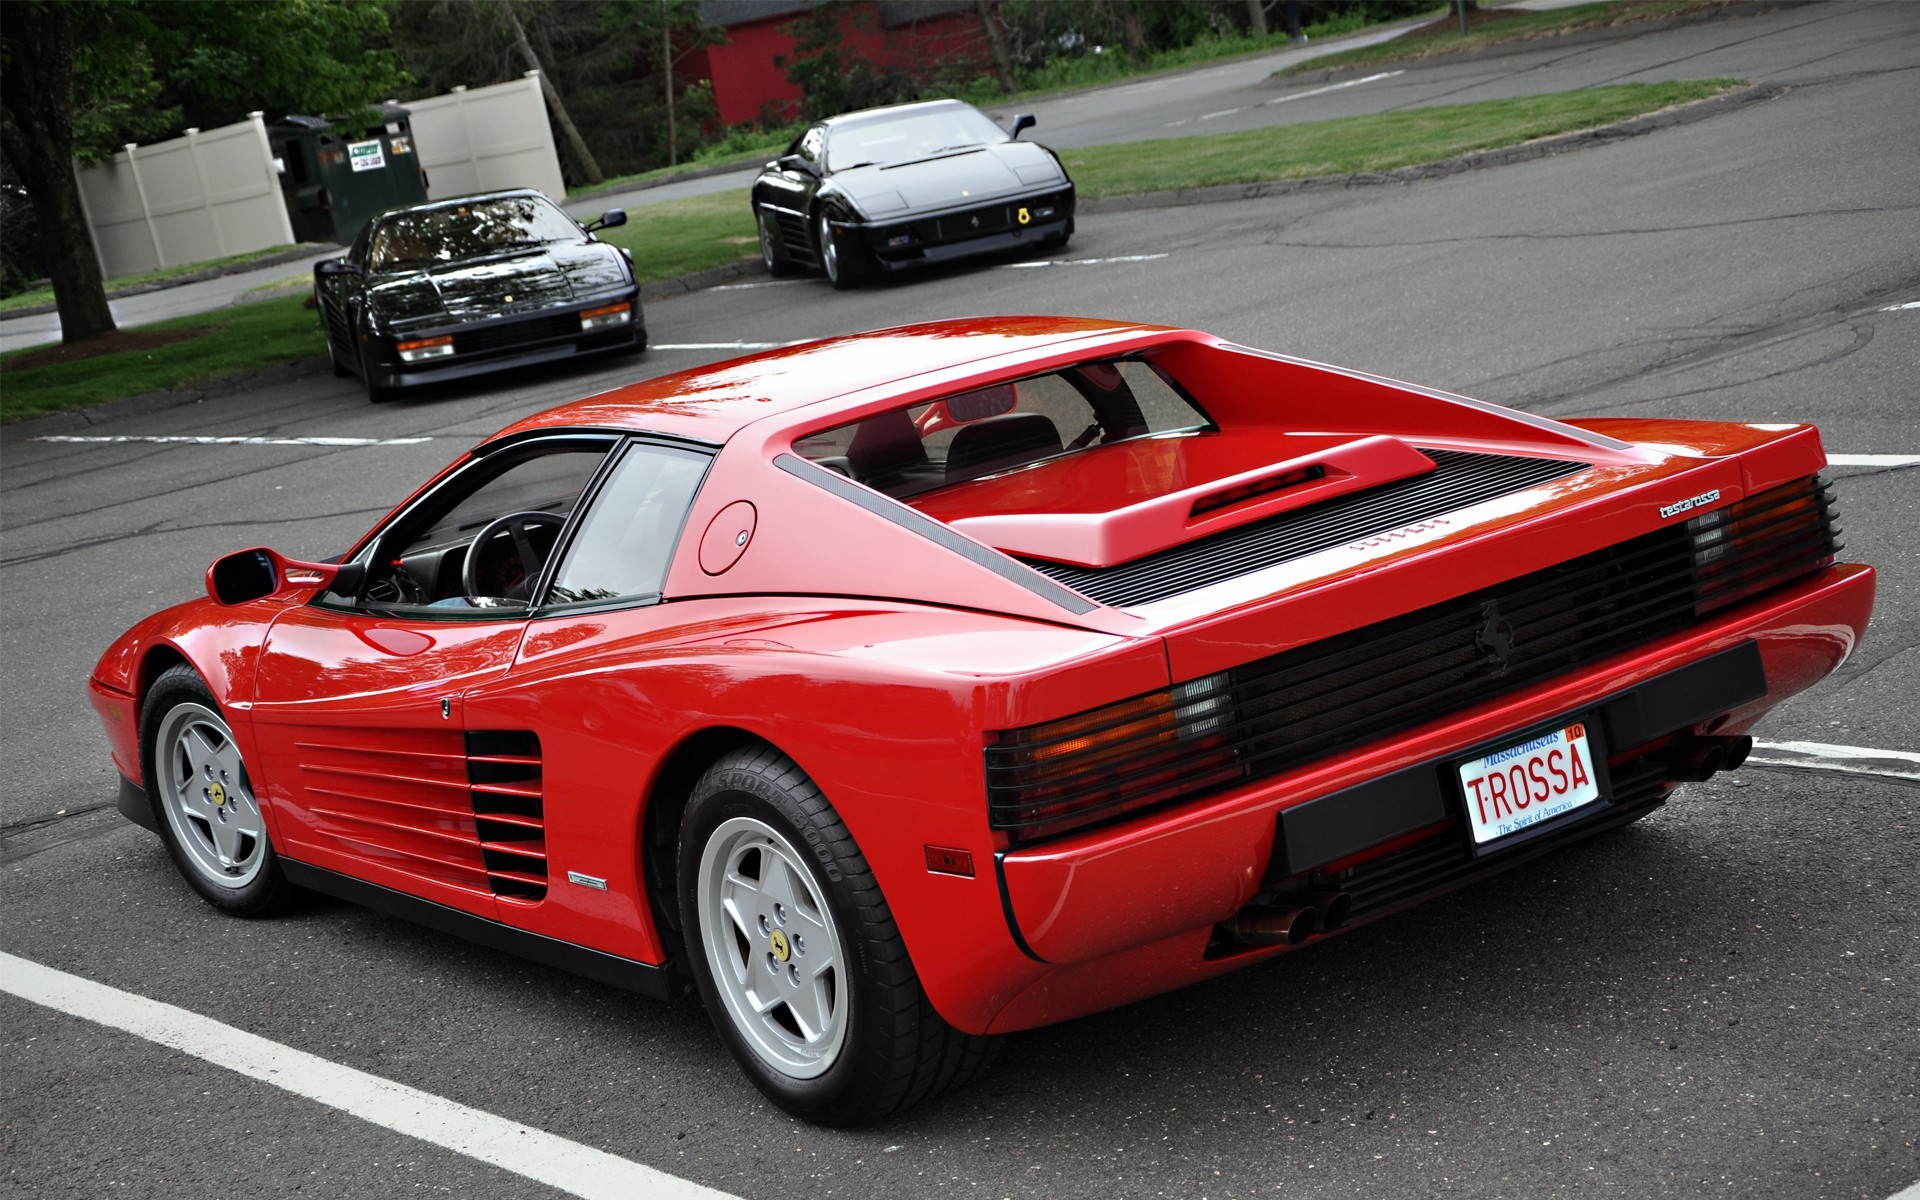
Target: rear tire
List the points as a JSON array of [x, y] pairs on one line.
[[796, 955], [772, 254], [203, 795]]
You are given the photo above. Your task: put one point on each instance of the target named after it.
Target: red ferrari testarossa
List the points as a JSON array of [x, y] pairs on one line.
[[900, 690]]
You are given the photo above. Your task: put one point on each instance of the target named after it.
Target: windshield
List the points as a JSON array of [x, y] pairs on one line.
[[885, 141], [456, 231]]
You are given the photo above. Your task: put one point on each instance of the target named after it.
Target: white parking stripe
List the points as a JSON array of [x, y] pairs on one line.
[[1901, 307], [526, 1151], [238, 441], [1872, 460], [1841, 760], [1081, 262], [1319, 91], [741, 287], [721, 345]]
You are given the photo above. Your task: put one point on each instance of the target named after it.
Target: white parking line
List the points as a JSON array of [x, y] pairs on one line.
[[1872, 460], [1319, 91], [1901, 307], [722, 345], [237, 441], [1840, 760], [526, 1151], [741, 287], [1080, 262]]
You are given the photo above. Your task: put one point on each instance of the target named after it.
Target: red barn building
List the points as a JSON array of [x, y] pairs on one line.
[[912, 34]]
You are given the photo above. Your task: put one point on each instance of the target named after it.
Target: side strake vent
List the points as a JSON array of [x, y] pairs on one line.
[[1461, 478], [503, 780]]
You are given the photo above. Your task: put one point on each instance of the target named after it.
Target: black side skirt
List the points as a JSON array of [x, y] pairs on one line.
[[646, 979]]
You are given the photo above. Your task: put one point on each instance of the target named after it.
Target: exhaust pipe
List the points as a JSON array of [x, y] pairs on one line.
[[1332, 908], [1698, 759], [1265, 926]]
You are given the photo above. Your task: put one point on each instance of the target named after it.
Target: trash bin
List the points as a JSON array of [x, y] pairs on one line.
[[335, 174]]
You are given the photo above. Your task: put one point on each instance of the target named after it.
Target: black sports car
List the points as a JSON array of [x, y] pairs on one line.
[[439, 291], [890, 188]]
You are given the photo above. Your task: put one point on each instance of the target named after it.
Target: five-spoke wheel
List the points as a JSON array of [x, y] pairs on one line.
[[199, 786], [796, 954]]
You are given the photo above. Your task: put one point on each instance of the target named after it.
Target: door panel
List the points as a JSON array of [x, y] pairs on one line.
[[373, 773]]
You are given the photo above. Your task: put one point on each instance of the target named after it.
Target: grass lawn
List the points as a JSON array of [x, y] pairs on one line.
[[1376, 142], [706, 231], [170, 354], [687, 235], [1493, 26]]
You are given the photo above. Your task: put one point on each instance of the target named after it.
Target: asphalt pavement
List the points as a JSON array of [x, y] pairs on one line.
[[1720, 1001]]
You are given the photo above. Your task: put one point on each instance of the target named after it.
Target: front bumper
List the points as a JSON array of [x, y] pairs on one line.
[[501, 343], [926, 240], [1130, 911]]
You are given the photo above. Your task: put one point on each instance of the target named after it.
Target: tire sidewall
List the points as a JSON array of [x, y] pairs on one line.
[[741, 793], [269, 889]]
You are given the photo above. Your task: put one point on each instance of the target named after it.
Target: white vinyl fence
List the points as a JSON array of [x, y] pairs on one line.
[[209, 194], [217, 192], [486, 138]]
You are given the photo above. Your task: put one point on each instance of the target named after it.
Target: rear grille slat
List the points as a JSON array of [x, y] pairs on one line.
[[1304, 703]]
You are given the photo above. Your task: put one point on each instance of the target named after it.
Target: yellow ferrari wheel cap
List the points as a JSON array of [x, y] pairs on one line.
[[782, 949], [218, 795]]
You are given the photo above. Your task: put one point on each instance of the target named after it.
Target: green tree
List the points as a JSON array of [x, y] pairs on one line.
[[80, 78]]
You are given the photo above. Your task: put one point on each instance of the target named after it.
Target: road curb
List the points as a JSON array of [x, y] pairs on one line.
[[1686, 114], [1580, 37]]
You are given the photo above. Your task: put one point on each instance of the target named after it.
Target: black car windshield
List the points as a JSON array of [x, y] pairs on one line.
[[478, 227], [886, 141]]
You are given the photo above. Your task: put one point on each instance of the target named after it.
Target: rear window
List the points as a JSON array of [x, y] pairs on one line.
[[1005, 427]]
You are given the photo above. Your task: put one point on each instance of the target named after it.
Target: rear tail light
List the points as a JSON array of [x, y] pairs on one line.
[[1760, 542]]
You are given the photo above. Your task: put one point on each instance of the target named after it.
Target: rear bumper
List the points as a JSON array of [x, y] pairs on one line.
[[1079, 906]]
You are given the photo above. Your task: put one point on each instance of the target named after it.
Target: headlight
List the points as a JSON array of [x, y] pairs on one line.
[[425, 348], [606, 317]]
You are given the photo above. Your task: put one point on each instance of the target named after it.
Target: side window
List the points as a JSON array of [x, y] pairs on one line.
[[626, 538], [481, 539]]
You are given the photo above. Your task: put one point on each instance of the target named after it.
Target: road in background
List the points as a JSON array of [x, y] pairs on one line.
[[1719, 1001]]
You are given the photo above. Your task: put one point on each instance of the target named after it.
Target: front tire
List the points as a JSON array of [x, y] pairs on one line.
[[375, 393], [796, 954], [841, 268], [203, 795]]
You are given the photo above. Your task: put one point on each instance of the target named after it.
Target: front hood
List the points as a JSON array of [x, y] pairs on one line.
[[541, 278], [952, 181]]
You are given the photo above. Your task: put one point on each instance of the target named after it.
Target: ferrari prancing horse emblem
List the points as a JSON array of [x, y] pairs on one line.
[[1025, 217], [782, 949]]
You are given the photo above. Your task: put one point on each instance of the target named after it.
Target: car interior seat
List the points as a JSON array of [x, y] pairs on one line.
[[1003, 441]]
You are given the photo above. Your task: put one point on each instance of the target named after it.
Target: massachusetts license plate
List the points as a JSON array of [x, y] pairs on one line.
[[1521, 785]]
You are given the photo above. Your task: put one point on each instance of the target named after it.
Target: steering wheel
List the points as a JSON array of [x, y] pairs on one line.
[[479, 582]]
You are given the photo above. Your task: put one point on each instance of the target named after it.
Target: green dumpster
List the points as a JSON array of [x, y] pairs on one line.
[[334, 174]]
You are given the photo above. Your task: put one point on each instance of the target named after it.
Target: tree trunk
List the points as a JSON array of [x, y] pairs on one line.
[[666, 72], [1133, 34], [1002, 65], [36, 132], [1257, 18], [576, 145]]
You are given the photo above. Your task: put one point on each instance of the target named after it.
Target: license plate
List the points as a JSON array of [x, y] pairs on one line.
[[1519, 786]]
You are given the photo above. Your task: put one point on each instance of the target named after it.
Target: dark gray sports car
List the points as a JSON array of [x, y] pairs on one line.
[[891, 188], [444, 290]]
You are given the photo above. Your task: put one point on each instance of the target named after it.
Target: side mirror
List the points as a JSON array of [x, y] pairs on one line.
[[793, 162], [335, 266], [608, 219], [258, 573], [1023, 121]]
